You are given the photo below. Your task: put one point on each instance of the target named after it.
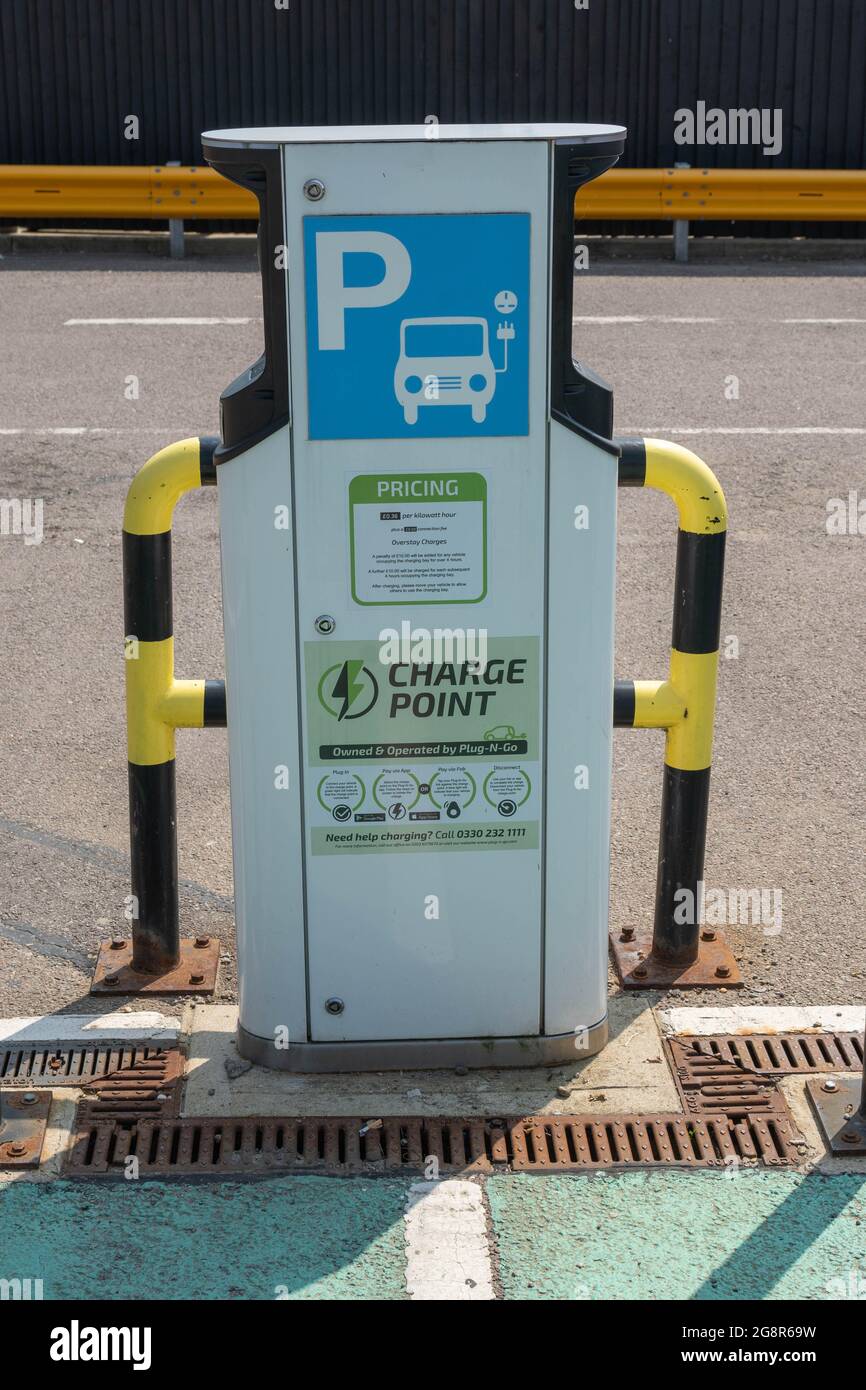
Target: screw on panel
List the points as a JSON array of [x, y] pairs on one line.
[[334, 1005], [325, 624], [314, 189]]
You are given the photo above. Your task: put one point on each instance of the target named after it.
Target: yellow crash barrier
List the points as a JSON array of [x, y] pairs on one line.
[[47, 191]]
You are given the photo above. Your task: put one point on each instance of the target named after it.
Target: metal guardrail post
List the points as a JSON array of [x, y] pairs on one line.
[[681, 233], [684, 707], [176, 246], [157, 960]]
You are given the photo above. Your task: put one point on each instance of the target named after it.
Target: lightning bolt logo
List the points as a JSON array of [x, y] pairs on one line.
[[347, 687], [348, 690]]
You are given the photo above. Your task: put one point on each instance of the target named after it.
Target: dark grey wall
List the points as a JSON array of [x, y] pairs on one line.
[[71, 70]]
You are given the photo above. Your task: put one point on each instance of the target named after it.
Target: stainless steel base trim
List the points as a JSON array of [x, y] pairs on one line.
[[426, 1053]]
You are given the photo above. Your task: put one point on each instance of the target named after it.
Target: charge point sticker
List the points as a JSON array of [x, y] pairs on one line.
[[413, 756]]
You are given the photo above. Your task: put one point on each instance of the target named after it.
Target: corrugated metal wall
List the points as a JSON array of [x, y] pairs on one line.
[[72, 70]]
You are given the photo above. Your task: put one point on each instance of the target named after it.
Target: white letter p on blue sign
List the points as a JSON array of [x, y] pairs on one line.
[[335, 296]]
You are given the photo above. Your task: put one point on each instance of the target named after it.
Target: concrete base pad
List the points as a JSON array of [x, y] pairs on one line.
[[629, 1075]]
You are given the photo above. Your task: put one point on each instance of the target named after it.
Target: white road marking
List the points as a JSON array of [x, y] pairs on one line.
[[95, 429], [647, 432], [685, 318], [447, 1253], [661, 430], [146, 1026], [749, 1018], [158, 322], [641, 318]]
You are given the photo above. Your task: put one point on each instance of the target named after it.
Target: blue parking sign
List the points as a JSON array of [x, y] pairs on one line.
[[417, 325]]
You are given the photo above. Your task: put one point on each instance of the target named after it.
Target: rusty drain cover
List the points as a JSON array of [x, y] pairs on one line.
[[79, 1064], [23, 1121], [117, 1079], [782, 1054], [149, 1087], [175, 1146], [710, 1083]]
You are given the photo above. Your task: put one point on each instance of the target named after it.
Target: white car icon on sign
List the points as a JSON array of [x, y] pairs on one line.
[[444, 361]]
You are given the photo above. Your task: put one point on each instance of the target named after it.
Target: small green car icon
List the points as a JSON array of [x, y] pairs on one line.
[[502, 731]]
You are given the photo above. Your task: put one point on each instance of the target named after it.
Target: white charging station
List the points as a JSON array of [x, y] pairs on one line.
[[417, 493]]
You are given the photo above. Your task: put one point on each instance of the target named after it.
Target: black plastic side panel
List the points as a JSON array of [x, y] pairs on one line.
[[256, 403], [579, 399]]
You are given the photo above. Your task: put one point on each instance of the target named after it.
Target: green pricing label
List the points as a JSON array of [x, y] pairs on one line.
[[362, 708], [418, 538]]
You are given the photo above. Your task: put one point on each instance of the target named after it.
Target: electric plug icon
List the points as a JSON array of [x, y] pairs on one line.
[[504, 332]]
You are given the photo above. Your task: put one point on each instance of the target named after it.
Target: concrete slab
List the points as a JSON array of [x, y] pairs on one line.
[[746, 1018], [631, 1074]]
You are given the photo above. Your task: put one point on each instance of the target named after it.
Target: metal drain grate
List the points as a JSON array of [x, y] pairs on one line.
[[340, 1145], [127, 1082], [60, 1064], [783, 1054], [151, 1087], [711, 1084]]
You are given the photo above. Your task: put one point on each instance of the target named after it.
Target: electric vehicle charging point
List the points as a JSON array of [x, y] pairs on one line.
[[417, 491]]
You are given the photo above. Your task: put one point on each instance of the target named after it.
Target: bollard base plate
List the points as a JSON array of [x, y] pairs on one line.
[[715, 967], [195, 973], [837, 1110], [23, 1122]]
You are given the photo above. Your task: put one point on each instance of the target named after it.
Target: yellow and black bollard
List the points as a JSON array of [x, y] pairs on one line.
[[157, 960], [684, 706]]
